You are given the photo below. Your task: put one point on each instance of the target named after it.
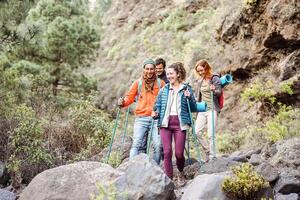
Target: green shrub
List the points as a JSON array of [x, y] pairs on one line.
[[27, 153], [251, 2], [115, 159], [229, 142], [109, 193], [283, 125], [287, 88], [92, 129], [259, 92], [246, 183]]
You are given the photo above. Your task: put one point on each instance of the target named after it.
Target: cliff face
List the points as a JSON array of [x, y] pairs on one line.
[[258, 41]]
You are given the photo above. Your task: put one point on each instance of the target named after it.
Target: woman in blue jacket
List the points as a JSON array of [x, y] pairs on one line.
[[171, 108]]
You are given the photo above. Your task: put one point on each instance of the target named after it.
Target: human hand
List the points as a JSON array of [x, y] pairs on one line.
[[187, 93], [120, 101], [154, 114]]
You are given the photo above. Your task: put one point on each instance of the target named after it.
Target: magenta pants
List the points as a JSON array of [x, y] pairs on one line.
[[167, 134]]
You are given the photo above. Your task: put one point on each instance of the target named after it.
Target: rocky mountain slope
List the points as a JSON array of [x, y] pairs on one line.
[[252, 40]]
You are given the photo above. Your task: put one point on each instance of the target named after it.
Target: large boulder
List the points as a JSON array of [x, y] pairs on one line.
[[206, 186], [139, 178], [288, 182], [6, 195], [70, 182], [146, 180], [288, 154], [292, 196], [268, 172]]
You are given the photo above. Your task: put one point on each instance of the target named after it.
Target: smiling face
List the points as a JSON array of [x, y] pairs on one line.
[[159, 69], [200, 70], [172, 76], [149, 70]]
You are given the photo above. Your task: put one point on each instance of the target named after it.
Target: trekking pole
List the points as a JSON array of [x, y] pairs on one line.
[[150, 137], [188, 149], [125, 126], [188, 155], [194, 135], [113, 135], [213, 124]]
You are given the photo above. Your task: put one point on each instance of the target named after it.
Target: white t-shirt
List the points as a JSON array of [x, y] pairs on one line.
[[174, 110]]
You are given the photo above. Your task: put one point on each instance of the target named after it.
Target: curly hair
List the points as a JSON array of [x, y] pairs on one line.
[[180, 70], [206, 66]]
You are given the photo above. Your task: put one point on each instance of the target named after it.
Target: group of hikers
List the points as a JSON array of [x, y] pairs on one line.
[[164, 102]]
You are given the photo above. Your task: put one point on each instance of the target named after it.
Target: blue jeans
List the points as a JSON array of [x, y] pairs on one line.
[[141, 126]]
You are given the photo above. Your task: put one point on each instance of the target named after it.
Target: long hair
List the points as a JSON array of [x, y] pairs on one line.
[[207, 69], [180, 70]]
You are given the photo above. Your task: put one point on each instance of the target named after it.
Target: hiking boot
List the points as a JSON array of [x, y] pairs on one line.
[[181, 181]]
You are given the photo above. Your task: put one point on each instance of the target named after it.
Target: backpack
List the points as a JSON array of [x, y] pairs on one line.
[[221, 97], [140, 87]]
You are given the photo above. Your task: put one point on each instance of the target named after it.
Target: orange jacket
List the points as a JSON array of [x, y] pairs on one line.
[[146, 100]]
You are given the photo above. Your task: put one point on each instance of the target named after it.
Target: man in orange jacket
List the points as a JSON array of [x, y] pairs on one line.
[[145, 101]]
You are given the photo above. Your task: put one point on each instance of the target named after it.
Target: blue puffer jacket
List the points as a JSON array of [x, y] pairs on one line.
[[160, 105]]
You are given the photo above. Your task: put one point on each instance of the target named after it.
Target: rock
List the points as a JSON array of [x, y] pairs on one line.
[[288, 154], [146, 177], [255, 159], [243, 156], [4, 176], [290, 66], [267, 171], [206, 186], [268, 151], [6, 195], [292, 196], [139, 178], [74, 181], [218, 165], [283, 12], [288, 182], [238, 156], [284, 33], [118, 146]]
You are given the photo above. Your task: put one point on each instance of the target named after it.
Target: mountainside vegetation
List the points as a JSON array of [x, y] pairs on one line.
[[46, 110], [64, 64]]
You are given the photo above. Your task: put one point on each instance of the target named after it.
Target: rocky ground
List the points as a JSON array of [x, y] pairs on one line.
[[141, 178]]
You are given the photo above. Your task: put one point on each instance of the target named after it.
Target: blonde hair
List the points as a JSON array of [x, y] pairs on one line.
[[207, 69]]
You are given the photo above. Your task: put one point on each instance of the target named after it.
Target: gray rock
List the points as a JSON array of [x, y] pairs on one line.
[[206, 186], [243, 156], [238, 156], [288, 182], [292, 196], [255, 159], [75, 181], [118, 146], [218, 165], [139, 178], [6, 195], [288, 154], [146, 180], [267, 171], [289, 66]]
